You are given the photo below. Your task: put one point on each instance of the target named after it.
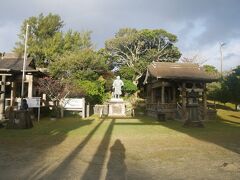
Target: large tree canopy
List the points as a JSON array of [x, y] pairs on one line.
[[46, 41], [232, 82], [135, 49], [82, 65], [227, 89], [85, 71]]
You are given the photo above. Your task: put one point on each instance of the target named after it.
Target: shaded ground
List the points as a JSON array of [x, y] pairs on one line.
[[138, 148]]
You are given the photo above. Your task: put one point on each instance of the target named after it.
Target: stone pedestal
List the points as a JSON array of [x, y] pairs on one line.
[[117, 107]]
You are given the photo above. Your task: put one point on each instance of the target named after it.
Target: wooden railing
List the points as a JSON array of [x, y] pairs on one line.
[[165, 106]]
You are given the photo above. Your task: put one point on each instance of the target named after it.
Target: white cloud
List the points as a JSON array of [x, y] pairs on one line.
[[211, 52], [8, 36]]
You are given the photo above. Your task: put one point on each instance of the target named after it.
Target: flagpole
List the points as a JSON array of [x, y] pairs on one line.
[[24, 63]]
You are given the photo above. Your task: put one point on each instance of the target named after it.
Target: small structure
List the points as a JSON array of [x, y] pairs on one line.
[[11, 81], [177, 91], [74, 104], [116, 107]]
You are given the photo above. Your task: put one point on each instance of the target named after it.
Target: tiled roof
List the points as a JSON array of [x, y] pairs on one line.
[[15, 64], [178, 71]]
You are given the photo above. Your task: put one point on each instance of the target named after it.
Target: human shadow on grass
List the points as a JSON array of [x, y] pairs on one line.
[[116, 167]]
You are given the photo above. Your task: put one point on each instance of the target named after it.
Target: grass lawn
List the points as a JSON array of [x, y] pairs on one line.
[[117, 148]]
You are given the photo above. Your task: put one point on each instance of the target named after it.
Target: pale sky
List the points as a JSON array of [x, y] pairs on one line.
[[199, 24]]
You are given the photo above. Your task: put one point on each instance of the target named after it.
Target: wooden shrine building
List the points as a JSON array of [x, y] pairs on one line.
[[11, 81], [177, 91]]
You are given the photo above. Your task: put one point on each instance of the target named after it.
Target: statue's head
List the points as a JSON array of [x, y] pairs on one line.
[[118, 77]]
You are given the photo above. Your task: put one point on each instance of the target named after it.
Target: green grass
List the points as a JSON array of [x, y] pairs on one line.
[[228, 121], [148, 145]]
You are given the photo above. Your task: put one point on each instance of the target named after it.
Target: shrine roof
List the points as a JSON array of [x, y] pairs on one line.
[[179, 71]]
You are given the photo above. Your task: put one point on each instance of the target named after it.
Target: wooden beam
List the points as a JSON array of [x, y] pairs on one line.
[[5, 74], [2, 99], [184, 101], [174, 94], [13, 93], [204, 101], [162, 95]]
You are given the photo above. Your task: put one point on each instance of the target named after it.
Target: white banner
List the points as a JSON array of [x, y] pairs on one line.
[[73, 103], [34, 102]]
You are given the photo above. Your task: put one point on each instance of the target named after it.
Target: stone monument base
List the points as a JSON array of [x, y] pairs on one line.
[[117, 107]]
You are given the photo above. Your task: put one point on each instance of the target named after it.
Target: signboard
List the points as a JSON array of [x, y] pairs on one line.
[[34, 102], [74, 104]]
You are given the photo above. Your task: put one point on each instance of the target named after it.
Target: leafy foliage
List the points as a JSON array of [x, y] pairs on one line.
[[81, 65], [211, 70], [46, 41], [53, 88], [84, 71], [129, 87], [227, 90], [232, 82], [93, 90], [137, 48], [218, 91], [127, 73]]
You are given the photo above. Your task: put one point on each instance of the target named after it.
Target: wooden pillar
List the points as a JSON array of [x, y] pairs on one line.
[[2, 99], [13, 93], [162, 95], [174, 94], [152, 95], [184, 101], [30, 85], [88, 110], [204, 102]]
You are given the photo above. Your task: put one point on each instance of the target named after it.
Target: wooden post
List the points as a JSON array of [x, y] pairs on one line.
[[83, 108], [174, 94], [30, 85], [88, 110], [13, 93], [2, 99], [162, 95], [184, 101], [152, 95], [204, 102]]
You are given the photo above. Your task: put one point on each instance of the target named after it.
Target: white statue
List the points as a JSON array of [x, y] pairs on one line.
[[117, 87]]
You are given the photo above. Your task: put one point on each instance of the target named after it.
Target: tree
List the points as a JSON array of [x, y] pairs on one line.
[[218, 91], [129, 88], [136, 49], [54, 89], [46, 40], [81, 65], [43, 30], [84, 71], [227, 90], [232, 82], [210, 69], [194, 59]]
